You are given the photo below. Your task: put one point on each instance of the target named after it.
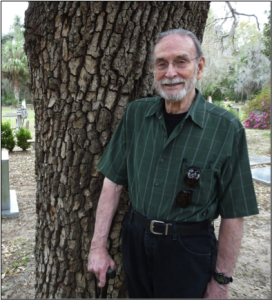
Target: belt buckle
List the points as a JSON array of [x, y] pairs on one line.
[[152, 227]]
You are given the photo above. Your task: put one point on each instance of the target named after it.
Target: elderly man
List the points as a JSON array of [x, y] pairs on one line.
[[185, 162]]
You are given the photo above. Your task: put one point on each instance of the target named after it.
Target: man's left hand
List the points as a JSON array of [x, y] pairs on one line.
[[216, 291]]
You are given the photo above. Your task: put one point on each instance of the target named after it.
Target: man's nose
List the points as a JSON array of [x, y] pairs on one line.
[[171, 71]]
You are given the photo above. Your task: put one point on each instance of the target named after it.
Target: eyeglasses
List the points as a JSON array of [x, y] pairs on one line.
[[191, 179], [178, 63]]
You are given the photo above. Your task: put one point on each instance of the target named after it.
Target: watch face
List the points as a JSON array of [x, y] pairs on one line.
[[221, 278]]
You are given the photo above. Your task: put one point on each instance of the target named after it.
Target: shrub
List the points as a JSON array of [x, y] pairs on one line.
[[233, 111], [258, 110], [8, 100], [7, 136], [257, 121], [228, 106], [22, 136], [218, 103]]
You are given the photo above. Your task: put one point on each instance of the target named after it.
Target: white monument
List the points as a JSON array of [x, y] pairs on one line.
[[9, 204], [24, 104]]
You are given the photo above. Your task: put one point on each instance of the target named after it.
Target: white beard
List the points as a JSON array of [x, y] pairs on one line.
[[189, 85]]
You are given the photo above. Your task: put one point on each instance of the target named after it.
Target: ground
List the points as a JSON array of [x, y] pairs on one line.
[[252, 272]]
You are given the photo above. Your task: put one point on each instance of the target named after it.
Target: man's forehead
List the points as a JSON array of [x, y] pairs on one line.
[[180, 56], [175, 43]]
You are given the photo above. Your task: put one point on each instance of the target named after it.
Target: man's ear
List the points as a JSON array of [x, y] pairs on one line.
[[200, 68]]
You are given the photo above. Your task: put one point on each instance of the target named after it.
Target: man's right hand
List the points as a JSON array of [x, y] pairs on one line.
[[99, 259], [98, 262]]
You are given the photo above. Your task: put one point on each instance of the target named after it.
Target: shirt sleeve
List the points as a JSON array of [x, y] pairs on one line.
[[236, 190], [113, 163]]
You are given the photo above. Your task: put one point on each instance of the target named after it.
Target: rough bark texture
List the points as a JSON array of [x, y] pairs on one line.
[[87, 61], [16, 88]]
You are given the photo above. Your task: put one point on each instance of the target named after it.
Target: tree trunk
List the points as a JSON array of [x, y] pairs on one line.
[[87, 61], [16, 88]]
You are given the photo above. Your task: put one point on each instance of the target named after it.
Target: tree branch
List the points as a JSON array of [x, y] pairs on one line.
[[250, 16], [216, 20], [234, 12]]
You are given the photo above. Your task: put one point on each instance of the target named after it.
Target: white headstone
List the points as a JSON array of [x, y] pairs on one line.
[[9, 203], [257, 159], [5, 197], [24, 104], [262, 174]]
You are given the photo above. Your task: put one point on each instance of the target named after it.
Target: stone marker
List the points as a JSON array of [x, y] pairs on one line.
[[256, 159], [262, 175], [27, 125], [32, 142], [5, 203], [24, 104], [9, 204]]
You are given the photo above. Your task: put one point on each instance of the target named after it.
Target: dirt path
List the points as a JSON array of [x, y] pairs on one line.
[[18, 235], [251, 275]]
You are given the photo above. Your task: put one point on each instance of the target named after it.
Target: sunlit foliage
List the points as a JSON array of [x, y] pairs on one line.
[[235, 67]]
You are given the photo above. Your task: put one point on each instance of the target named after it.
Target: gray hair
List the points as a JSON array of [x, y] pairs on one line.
[[181, 32]]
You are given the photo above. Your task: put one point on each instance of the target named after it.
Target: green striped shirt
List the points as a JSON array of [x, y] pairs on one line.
[[141, 155]]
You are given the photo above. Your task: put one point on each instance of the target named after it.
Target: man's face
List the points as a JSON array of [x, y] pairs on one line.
[[174, 83]]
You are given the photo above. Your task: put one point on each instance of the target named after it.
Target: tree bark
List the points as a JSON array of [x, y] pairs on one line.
[[16, 88], [87, 61]]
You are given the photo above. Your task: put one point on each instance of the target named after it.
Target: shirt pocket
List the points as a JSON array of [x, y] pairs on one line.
[[202, 192]]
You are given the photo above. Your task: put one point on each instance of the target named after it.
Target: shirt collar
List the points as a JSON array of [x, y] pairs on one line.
[[197, 111], [156, 108]]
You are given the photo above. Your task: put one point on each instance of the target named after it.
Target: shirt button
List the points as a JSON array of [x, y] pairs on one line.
[[156, 183], [161, 160]]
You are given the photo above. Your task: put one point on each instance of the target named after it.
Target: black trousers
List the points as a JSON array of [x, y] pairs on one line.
[[159, 266]]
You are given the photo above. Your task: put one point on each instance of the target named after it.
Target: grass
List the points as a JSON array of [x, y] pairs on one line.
[[30, 118], [25, 260], [15, 265]]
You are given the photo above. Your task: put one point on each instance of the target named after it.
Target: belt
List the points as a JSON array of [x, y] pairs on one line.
[[163, 228]]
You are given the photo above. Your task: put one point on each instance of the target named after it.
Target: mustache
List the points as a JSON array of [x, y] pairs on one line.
[[173, 80]]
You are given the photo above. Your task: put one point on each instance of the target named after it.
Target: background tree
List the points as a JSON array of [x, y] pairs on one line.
[[5, 38], [252, 67], [14, 64], [87, 61], [235, 65], [267, 36], [220, 56], [252, 71], [14, 61]]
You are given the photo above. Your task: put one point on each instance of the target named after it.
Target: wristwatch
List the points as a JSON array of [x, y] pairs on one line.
[[222, 278]]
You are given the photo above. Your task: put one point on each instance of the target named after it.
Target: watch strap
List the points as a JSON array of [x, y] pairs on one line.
[[222, 278]]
